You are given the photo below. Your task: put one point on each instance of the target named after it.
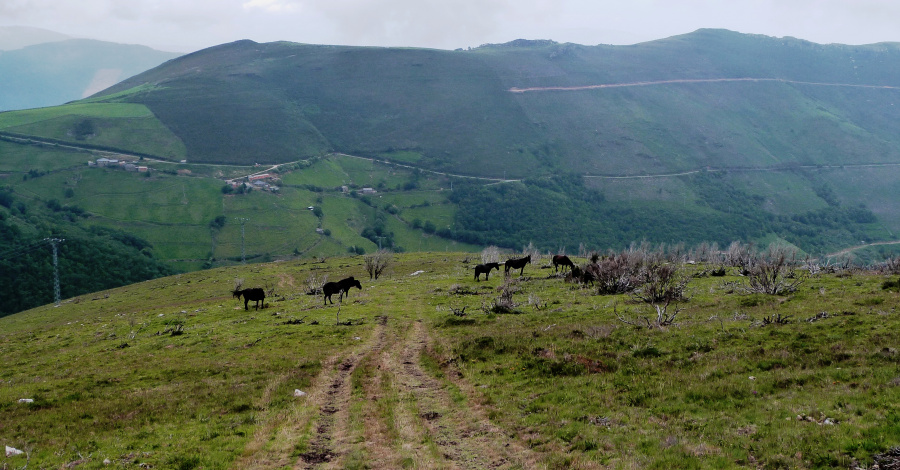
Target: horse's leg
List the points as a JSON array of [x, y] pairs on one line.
[[246, 300]]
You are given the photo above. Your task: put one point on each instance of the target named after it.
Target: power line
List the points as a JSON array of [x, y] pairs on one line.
[[21, 250]]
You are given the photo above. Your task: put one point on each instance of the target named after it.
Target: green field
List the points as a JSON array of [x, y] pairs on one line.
[[173, 207], [173, 373]]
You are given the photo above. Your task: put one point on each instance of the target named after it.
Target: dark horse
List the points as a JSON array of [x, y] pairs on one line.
[[517, 264], [254, 293], [562, 260], [486, 270], [340, 287]]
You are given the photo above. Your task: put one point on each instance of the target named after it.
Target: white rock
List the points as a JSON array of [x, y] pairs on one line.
[[160, 314], [11, 451], [299, 393], [26, 400], [752, 377], [357, 338], [107, 461], [417, 273]]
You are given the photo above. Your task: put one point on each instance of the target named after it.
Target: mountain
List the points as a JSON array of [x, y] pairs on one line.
[[17, 37], [456, 110], [53, 73], [710, 136]]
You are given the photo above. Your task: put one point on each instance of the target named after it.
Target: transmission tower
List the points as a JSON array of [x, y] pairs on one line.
[[243, 221], [55, 242]]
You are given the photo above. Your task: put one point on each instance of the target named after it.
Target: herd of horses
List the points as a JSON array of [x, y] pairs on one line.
[[342, 287], [520, 263]]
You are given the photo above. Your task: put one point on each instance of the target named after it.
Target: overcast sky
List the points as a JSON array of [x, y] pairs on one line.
[[188, 25]]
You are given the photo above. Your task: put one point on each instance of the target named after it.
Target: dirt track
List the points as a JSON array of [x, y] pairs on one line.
[[377, 407]]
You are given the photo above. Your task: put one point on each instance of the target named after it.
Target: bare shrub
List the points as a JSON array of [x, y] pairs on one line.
[[490, 254], [661, 282], [377, 262], [774, 271], [889, 266], [534, 252], [314, 283], [705, 253], [739, 255], [663, 317], [504, 302], [616, 274], [676, 253]]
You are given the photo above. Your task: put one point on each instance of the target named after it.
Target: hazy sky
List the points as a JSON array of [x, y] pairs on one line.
[[187, 25]]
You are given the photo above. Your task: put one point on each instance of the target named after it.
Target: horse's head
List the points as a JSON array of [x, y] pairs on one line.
[[237, 293], [356, 283]]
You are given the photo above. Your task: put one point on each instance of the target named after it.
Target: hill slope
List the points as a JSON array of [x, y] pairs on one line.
[[57, 72], [709, 136], [454, 109], [174, 373]]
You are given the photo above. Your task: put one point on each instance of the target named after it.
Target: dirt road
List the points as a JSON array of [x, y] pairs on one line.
[[378, 407]]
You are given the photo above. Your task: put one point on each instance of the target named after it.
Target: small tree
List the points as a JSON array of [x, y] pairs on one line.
[[377, 262]]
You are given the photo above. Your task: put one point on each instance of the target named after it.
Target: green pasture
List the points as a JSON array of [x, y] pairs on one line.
[[575, 376], [17, 158], [93, 110]]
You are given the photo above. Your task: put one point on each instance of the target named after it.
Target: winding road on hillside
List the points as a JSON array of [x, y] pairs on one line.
[[693, 80], [377, 407]]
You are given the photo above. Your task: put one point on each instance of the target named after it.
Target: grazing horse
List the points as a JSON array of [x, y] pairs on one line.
[[486, 270], [340, 287], [562, 260], [517, 264], [254, 293]]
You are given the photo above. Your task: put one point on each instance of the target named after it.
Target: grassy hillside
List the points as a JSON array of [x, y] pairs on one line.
[[59, 71], [173, 373], [709, 136]]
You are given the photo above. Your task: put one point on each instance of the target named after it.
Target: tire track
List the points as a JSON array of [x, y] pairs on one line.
[[458, 437], [275, 442], [328, 443]]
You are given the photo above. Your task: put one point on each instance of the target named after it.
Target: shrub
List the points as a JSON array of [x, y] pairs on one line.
[[773, 271]]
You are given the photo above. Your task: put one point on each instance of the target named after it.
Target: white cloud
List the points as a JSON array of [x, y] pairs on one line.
[[449, 23], [271, 6]]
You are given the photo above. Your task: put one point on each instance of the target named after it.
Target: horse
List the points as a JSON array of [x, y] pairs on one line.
[[562, 260], [486, 270], [340, 287], [256, 294], [517, 264]]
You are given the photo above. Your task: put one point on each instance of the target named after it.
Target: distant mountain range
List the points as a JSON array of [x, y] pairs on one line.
[[40, 68], [17, 37]]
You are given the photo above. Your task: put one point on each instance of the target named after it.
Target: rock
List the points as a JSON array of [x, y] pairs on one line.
[[107, 461], [11, 451], [26, 400], [299, 393]]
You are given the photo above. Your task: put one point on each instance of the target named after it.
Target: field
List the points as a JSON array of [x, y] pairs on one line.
[[422, 372], [173, 207]]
